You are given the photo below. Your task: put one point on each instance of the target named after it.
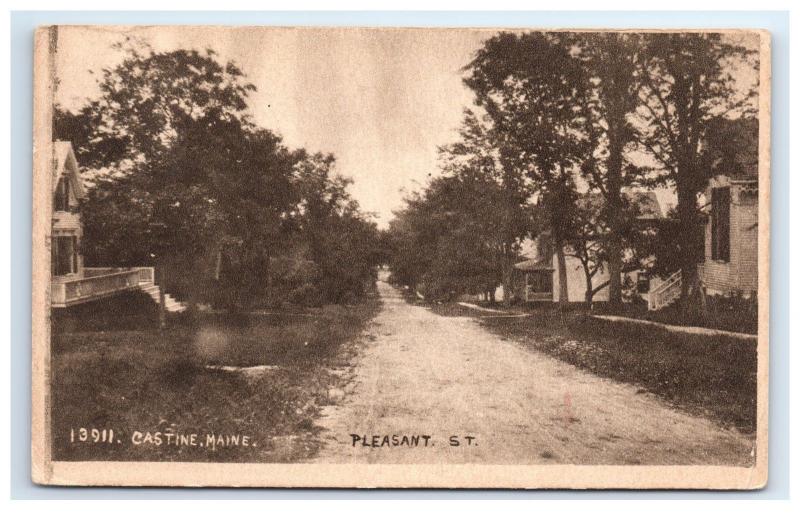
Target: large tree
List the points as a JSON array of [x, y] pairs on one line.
[[730, 148], [534, 88], [611, 62], [186, 181], [688, 85]]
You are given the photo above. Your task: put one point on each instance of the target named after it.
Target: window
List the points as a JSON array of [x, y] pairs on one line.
[[61, 201], [721, 224], [64, 255], [540, 281], [643, 283]]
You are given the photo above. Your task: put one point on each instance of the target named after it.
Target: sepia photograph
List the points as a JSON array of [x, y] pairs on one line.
[[400, 257]]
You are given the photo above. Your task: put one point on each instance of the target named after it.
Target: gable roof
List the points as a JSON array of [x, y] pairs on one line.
[[65, 163]]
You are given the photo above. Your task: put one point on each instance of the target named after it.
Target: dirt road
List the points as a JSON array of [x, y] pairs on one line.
[[422, 374]]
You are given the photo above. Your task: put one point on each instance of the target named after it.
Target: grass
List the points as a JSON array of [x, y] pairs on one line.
[[133, 378], [721, 314], [713, 376]]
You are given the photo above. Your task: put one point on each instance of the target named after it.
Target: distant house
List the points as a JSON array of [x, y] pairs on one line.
[[539, 275], [71, 283], [731, 236]]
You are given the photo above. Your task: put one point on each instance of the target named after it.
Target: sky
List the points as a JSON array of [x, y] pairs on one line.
[[382, 101]]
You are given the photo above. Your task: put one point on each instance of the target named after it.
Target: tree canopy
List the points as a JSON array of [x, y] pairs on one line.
[[184, 180], [561, 118]]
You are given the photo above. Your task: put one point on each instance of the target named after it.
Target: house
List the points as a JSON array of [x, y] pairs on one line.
[[539, 275], [71, 283], [730, 266]]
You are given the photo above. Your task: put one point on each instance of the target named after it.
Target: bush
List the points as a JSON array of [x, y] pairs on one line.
[[306, 295]]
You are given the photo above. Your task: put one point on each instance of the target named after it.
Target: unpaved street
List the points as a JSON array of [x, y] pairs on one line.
[[421, 374]]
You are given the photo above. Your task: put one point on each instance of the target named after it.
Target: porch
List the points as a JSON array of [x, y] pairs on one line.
[[537, 280]]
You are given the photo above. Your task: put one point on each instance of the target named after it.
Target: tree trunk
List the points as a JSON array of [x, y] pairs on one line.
[[690, 253], [614, 208], [614, 271], [563, 293], [507, 282], [589, 296]]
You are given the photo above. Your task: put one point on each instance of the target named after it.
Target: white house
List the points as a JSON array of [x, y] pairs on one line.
[[730, 265], [540, 279], [71, 283]]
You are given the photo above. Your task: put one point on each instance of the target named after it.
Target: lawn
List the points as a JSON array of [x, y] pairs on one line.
[[178, 394], [721, 314], [710, 376]]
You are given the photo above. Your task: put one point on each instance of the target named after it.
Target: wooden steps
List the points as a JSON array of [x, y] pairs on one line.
[[154, 291], [666, 293]]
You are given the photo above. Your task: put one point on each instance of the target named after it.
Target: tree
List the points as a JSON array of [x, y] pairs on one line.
[[611, 61], [534, 89], [730, 147], [687, 85], [187, 182], [91, 150], [500, 216], [449, 239], [586, 243], [341, 242], [412, 246]]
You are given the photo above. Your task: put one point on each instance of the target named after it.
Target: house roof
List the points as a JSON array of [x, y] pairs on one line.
[[534, 265], [646, 203], [65, 163]]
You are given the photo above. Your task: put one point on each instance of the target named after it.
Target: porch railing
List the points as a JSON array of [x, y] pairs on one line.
[[666, 292], [96, 283], [532, 295], [146, 274]]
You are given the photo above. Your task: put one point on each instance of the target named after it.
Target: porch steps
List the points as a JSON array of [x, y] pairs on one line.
[[154, 291], [667, 293]]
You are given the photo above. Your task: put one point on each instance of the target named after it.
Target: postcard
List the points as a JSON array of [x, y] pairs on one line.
[[357, 257]]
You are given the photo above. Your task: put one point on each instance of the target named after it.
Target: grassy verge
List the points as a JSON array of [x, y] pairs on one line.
[[710, 376], [720, 315], [728, 314], [154, 388]]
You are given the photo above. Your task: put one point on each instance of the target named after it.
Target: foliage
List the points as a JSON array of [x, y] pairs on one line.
[[339, 240], [438, 242], [688, 88], [610, 59], [464, 232], [535, 90], [185, 181]]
